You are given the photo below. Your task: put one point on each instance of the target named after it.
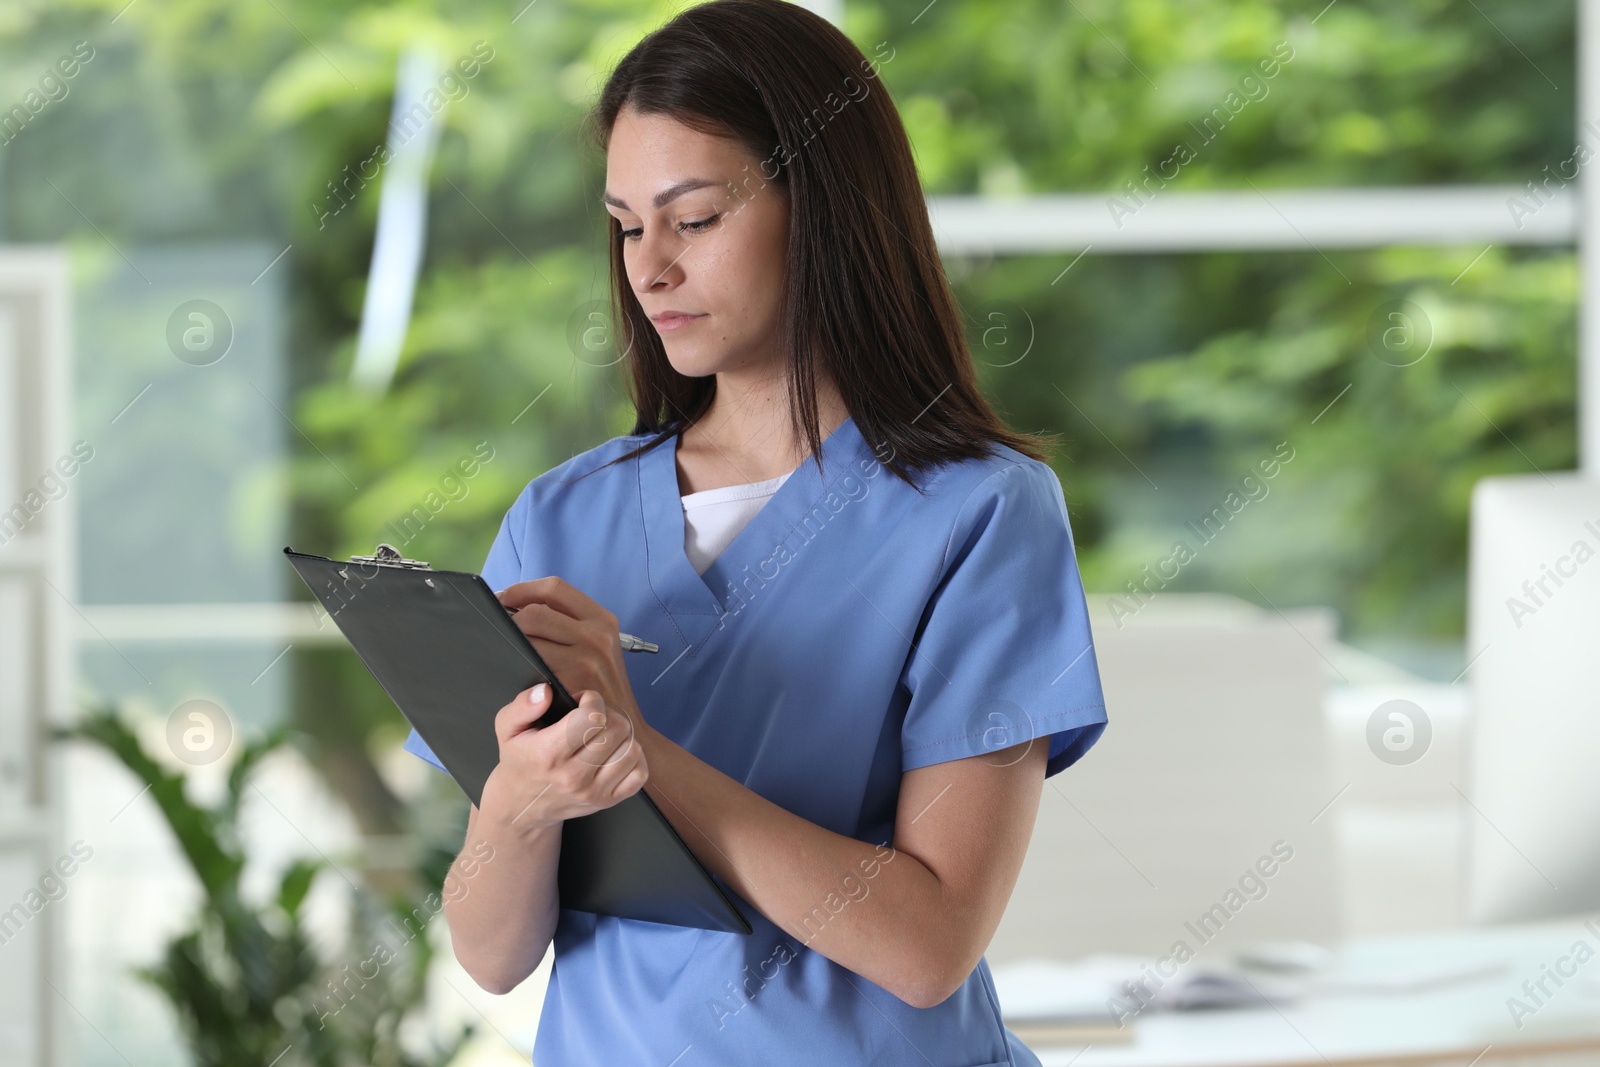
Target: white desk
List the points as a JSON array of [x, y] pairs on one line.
[[1459, 1023]]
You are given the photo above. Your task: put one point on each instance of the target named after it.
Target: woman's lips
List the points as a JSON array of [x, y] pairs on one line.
[[674, 322]]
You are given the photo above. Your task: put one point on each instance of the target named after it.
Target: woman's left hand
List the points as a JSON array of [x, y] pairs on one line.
[[574, 635]]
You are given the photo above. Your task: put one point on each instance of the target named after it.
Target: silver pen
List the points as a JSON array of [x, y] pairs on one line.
[[631, 643]]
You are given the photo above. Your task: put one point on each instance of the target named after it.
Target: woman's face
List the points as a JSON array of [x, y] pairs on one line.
[[714, 246]]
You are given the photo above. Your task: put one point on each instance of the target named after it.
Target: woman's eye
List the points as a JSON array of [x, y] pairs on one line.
[[697, 227]]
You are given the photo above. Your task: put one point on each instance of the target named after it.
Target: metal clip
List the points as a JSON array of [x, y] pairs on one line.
[[389, 556]]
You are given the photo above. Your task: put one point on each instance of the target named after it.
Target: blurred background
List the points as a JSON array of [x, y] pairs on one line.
[[1298, 284]]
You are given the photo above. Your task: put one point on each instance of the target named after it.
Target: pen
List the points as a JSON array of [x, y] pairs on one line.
[[630, 643]]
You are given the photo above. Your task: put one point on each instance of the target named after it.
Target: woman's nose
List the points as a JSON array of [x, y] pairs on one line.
[[655, 259]]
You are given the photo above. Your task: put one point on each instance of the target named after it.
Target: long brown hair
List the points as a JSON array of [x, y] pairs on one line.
[[865, 296]]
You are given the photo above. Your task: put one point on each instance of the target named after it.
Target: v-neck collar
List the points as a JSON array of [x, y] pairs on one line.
[[696, 602]]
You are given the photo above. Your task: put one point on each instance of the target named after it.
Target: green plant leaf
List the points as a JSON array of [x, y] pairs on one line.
[[295, 884]]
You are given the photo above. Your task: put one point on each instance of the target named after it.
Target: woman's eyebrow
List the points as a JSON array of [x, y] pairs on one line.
[[667, 195]]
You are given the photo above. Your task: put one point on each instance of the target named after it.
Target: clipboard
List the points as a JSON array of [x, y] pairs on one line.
[[446, 652]]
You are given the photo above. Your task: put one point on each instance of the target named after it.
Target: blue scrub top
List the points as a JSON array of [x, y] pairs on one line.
[[854, 630]]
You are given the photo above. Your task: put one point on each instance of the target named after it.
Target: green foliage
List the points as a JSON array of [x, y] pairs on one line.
[[246, 984], [1476, 381], [1081, 96]]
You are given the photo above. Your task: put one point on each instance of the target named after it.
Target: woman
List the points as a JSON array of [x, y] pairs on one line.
[[873, 640]]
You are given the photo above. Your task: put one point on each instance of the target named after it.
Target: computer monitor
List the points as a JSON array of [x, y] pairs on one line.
[[1531, 804]]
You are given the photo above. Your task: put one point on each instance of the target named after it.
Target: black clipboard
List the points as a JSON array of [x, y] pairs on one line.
[[446, 652]]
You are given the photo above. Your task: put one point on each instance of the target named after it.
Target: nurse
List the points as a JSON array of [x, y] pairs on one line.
[[874, 644]]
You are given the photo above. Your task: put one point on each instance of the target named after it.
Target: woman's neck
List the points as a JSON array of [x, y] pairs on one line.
[[745, 435]]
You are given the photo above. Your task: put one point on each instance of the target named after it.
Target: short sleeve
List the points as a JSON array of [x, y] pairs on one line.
[[1003, 652], [418, 747], [503, 567]]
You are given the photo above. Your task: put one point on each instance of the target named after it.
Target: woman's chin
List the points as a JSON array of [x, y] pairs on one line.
[[691, 364]]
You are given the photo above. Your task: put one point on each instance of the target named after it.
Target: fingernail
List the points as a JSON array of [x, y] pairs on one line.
[[537, 693]]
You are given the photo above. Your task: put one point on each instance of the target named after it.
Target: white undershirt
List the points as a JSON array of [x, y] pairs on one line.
[[712, 518]]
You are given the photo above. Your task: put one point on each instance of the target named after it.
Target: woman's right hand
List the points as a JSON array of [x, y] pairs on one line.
[[587, 761]]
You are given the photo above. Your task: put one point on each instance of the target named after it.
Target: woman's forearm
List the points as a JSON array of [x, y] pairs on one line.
[[864, 905], [501, 900]]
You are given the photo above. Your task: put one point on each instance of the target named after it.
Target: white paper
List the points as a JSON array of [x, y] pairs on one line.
[[1108, 986]]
